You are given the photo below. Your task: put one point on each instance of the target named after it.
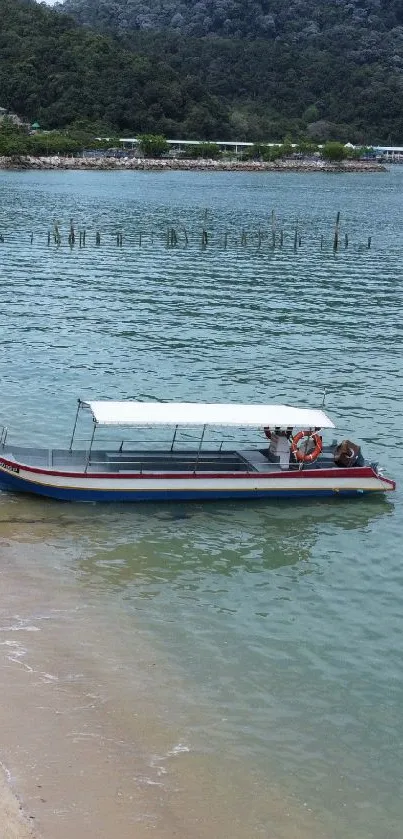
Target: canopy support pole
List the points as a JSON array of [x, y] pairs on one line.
[[89, 450], [174, 438], [75, 424], [200, 446]]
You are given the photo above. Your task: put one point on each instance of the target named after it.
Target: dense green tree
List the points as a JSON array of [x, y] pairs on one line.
[[153, 145], [334, 152]]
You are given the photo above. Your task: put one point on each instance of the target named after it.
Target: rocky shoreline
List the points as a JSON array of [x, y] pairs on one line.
[[141, 164]]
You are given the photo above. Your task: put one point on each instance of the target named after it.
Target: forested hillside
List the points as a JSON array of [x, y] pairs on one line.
[[327, 70], [55, 72], [301, 20], [332, 67]]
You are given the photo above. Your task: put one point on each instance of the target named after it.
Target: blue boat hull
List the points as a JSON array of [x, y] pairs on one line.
[[11, 482]]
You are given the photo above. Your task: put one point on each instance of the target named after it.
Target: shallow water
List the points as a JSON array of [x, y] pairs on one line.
[[203, 670]]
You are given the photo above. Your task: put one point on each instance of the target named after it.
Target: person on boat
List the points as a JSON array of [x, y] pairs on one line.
[[348, 454]]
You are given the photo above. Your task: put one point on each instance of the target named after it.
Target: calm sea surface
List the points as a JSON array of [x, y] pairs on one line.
[[203, 671]]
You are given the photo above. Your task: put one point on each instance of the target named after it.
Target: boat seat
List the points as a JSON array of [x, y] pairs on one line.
[[255, 459]]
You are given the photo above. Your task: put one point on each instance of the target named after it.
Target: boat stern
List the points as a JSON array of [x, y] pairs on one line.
[[385, 484]]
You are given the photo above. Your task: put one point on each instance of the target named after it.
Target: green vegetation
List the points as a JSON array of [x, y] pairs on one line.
[[57, 74], [334, 152], [310, 68], [257, 70], [153, 145], [313, 21], [203, 150], [15, 141]]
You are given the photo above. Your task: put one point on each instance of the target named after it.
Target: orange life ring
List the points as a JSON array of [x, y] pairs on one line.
[[299, 454], [267, 432]]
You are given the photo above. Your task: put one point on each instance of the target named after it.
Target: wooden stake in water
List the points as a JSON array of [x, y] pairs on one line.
[[32, 238], [273, 230], [97, 239], [204, 238], [369, 241], [336, 233], [281, 238], [296, 236], [345, 240]]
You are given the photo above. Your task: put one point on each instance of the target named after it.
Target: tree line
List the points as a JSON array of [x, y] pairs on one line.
[[18, 141]]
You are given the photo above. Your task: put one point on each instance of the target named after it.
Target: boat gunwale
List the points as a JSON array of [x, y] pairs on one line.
[[365, 471]]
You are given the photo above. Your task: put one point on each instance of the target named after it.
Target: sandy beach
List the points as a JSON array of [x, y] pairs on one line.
[[142, 164]]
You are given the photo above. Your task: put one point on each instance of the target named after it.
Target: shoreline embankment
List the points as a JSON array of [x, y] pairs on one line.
[[175, 164]]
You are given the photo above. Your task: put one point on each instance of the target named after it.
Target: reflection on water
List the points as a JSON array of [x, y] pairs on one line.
[[121, 542], [216, 539]]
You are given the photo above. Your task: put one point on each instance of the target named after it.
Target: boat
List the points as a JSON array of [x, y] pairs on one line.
[[286, 457]]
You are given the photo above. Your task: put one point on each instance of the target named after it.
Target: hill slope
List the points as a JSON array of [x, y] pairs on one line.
[[324, 83], [277, 65], [53, 71]]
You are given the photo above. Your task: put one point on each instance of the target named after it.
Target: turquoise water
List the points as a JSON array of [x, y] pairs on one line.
[[276, 628]]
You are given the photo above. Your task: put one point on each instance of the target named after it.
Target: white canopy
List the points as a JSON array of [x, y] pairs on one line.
[[197, 413]]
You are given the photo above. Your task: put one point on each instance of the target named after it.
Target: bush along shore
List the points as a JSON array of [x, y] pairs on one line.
[[158, 164]]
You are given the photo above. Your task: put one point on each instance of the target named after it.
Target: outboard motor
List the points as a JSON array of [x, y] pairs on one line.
[[348, 454]]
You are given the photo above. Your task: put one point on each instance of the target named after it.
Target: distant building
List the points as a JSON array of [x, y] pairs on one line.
[[393, 154]]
